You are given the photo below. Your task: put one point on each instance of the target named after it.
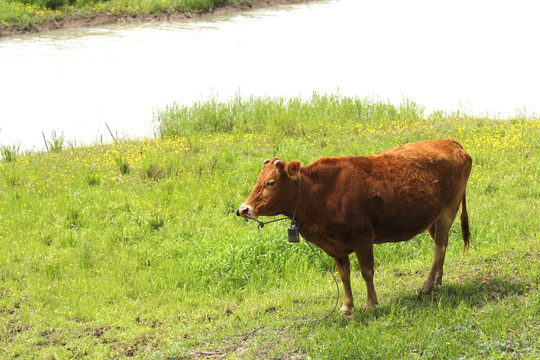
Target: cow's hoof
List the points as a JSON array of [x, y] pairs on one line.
[[370, 307], [346, 311], [424, 291]]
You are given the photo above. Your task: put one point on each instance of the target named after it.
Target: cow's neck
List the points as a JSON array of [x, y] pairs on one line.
[[305, 203]]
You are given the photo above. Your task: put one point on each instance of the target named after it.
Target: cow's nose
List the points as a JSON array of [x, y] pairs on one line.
[[243, 210]]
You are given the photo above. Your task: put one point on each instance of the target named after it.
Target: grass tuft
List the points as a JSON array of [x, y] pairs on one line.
[[74, 219], [122, 164], [10, 153], [93, 178], [156, 222], [56, 143]]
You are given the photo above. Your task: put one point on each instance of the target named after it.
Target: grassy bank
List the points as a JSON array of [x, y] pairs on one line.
[[132, 249], [17, 16]]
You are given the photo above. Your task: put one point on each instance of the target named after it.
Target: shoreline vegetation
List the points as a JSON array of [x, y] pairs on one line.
[[132, 249], [31, 16]]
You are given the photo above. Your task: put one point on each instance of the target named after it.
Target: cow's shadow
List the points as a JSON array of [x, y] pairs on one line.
[[475, 292]]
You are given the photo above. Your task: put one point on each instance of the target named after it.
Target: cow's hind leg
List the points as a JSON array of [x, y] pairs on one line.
[[344, 268], [439, 232]]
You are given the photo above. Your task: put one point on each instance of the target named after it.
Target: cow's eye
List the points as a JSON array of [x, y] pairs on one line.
[[271, 183]]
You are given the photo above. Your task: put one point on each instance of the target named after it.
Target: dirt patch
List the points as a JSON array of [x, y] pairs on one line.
[[103, 19], [97, 332]]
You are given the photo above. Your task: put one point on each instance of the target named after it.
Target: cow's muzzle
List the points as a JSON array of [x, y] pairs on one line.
[[243, 211]]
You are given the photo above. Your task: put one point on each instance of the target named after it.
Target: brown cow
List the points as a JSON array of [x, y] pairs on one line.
[[348, 204]]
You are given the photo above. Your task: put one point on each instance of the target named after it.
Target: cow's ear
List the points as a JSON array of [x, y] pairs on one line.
[[293, 168]]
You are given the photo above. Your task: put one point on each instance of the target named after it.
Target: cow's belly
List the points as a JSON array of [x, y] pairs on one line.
[[404, 218], [402, 229], [384, 238]]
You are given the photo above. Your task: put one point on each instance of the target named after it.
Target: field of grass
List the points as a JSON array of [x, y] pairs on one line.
[[133, 250], [31, 15]]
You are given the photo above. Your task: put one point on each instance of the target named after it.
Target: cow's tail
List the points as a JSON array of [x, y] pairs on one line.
[[465, 231]]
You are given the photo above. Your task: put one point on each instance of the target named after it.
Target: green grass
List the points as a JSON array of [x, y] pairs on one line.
[[30, 15], [9, 153], [56, 143], [151, 263]]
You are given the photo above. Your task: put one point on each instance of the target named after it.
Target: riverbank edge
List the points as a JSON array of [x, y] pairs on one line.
[[94, 20]]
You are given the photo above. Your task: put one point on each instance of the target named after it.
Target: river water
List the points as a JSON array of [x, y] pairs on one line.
[[481, 57]]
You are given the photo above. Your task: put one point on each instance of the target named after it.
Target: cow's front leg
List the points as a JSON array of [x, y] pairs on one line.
[[344, 268], [367, 267]]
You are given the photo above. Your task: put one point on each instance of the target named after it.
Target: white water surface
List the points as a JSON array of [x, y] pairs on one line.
[[479, 56]]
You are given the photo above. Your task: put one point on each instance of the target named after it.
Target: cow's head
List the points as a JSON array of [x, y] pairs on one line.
[[275, 192]]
